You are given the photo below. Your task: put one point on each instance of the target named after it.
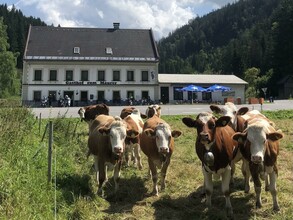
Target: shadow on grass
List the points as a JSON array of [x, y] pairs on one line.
[[193, 206], [131, 190], [73, 186]]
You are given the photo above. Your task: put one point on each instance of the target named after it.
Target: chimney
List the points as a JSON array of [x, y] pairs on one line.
[[116, 26]]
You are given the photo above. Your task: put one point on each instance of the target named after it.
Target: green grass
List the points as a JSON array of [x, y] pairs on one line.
[[25, 193]]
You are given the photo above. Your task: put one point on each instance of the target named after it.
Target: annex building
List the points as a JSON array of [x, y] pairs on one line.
[[107, 65]]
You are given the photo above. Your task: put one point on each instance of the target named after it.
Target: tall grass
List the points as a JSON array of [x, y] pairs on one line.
[[26, 194]]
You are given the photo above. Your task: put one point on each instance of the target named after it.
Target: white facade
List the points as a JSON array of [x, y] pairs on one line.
[[85, 91]]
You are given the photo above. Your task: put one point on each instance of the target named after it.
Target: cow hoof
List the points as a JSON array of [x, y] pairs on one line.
[[258, 205], [229, 212], [276, 208]]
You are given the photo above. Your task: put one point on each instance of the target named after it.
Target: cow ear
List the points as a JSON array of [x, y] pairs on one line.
[[143, 116], [215, 109], [242, 111], [176, 133], [132, 133], [275, 136], [104, 131], [239, 137], [223, 121], [149, 132], [189, 122]]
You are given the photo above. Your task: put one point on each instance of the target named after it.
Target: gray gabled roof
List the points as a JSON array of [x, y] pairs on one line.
[[200, 79], [57, 43]]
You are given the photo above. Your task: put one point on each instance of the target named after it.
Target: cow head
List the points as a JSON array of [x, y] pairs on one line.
[[117, 132], [206, 124], [163, 134], [153, 110], [229, 109], [256, 137]]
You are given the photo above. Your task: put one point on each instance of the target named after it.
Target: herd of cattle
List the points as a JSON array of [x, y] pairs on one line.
[[225, 136]]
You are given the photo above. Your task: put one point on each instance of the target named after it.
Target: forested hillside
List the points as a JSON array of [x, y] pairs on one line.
[[17, 29], [242, 35]]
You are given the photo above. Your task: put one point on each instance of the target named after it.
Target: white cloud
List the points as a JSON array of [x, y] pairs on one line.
[[160, 15]]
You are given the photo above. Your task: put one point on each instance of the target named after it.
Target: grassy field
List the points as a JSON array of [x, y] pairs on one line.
[[26, 194]]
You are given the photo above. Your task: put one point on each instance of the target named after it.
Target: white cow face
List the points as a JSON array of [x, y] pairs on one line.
[[163, 135], [117, 133], [255, 138]]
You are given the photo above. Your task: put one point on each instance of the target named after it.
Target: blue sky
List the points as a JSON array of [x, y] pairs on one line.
[[163, 16]]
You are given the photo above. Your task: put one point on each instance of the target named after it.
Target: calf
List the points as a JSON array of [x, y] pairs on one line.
[[89, 113], [214, 147], [157, 143], [135, 123], [106, 142], [153, 110], [260, 146]]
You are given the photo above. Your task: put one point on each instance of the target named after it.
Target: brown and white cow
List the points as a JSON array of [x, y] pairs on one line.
[[153, 110], [106, 142], [214, 147], [132, 143], [259, 144], [157, 143], [128, 110], [239, 120], [89, 113]]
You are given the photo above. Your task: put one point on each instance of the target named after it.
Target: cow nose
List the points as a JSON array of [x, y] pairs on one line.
[[204, 136], [164, 149], [256, 159], [118, 150]]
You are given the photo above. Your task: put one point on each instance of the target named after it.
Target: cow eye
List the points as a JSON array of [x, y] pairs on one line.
[[211, 125]]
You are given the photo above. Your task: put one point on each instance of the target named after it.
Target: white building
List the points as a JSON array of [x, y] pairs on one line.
[[170, 83], [110, 65], [90, 65]]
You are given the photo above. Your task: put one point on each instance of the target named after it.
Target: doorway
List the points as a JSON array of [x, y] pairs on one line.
[[165, 95]]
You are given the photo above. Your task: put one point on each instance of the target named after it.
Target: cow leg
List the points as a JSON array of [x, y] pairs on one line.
[[254, 169], [127, 153], [164, 173], [102, 176], [273, 187], [154, 173], [137, 157], [226, 176], [233, 165], [208, 185], [96, 164], [117, 170], [246, 173]]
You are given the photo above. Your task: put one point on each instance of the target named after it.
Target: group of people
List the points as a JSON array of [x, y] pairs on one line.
[[47, 101]]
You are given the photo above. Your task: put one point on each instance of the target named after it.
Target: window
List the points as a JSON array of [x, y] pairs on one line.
[[101, 75], [130, 94], [37, 96], [83, 96], [53, 75], [38, 75], [144, 76], [145, 95], [76, 50], [52, 94], [178, 95], [130, 75], [69, 75], [84, 75], [101, 96], [116, 75]]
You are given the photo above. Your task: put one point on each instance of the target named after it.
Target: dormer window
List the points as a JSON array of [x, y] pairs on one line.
[[76, 50], [109, 51]]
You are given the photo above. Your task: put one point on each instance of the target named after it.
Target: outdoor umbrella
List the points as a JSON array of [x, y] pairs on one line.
[[216, 87], [193, 88]]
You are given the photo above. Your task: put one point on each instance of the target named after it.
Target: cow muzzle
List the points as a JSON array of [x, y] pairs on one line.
[[257, 159], [164, 150], [118, 150], [204, 138]]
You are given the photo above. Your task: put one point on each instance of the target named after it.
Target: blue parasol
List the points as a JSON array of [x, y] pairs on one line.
[[216, 87]]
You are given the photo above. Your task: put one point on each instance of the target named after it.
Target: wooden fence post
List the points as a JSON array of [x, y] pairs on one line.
[[50, 151]]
